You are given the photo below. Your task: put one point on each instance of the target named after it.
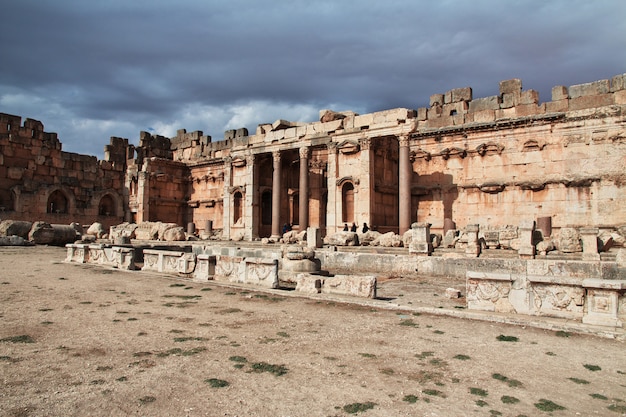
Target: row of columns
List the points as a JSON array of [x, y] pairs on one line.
[[303, 194], [404, 189]]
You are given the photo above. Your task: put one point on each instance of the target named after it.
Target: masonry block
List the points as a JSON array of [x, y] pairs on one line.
[[511, 86], [618, 83], [590, 101], [590, 89], [559, 92], [486, 103]]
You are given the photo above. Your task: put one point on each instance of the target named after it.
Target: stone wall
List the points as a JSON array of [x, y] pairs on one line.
[[492, 162], [38, 181]]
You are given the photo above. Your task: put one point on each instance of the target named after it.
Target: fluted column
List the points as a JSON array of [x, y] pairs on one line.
[[404, 191], [303, 214], [332, 206], [227, 200], [251, 212], [276, 195]]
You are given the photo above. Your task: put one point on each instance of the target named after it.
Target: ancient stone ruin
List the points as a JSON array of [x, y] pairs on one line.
[[523, 198]]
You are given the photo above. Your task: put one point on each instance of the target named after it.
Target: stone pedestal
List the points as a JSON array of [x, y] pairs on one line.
[[473, 245], [420, 242], [527, 249], [589, 237], [603, 301], [314, 237]]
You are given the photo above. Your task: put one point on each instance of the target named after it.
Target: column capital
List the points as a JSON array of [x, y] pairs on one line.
[[365, 144], [250, 159], [403, 140], [332, 147], [304, 152], [276, 156]]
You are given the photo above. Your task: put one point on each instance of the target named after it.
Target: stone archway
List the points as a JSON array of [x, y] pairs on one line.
[[57, 203]]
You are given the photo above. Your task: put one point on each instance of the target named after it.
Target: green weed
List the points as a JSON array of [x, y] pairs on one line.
[[547, 405], [355, 408], [216, 383]]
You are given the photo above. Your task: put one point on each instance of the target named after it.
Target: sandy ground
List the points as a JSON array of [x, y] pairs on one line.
[[79, 340]]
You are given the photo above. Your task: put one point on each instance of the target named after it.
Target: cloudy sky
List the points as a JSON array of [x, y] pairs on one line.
[[91, 70]]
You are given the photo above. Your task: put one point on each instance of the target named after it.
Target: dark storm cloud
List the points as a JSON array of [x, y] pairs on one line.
[[130, 65]]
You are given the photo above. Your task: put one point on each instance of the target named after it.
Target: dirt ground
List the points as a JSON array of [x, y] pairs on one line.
[[79, 340]]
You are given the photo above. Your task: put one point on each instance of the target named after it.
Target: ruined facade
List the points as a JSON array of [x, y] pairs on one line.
[[493, 161]]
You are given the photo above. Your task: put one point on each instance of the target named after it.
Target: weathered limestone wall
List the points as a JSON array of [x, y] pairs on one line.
[[502, 159], [38, 181]]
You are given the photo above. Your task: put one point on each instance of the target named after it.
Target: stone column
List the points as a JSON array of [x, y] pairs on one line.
[[405, 175], [276, 195], [143, 195], [332, 212], [473, 245], [527, 248], [303, 214], [589, 237], [364, 192], [251, 217], [227, 200]]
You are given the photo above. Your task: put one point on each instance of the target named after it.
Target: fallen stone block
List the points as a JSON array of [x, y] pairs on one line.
[[354, 285], [15, 227], [43, 233], [308, 284], [14, 241]]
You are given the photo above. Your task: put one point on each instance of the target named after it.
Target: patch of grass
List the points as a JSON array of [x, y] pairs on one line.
[[206, 289], [45, 309], [478, 391], [189, 338], [183, 297], [142, 334], [438, 332], [122, 379], [97, 382], [503, 338], [481, 403], [182, 304], [277, 370], [387, 371], [141, 354], [193, 351], [230, 310], [598, 396], [230, 293], [85, 302], [147, 399], [174, 351], [513, 383], [548, 406], [579, 381], [434, 393], [495, 413], [132, 319], [409, 323], [550, 353], [47, 323], [283, 334], [266, 340], [24, 338], [437, 362], [368, 355], [104, 368], [355, 408], [411, 399], [424, 355], [618, 408], [592, 368], [509, 400], [177, 285], [562, 333], [217, 383], [240, 359], [462, 357]]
